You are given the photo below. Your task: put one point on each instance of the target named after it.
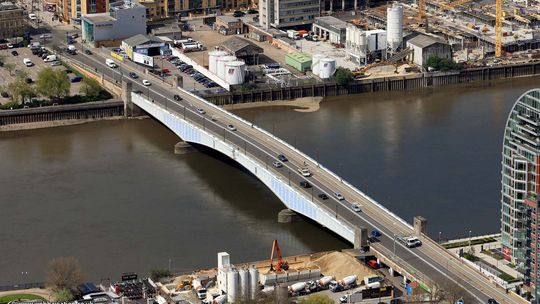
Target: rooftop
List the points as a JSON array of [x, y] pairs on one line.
[[228, 19], [141, 39], [4, 6], [329, 21], [235, 44], [124, 5], [425, 41], [300, 57], [101, 17]]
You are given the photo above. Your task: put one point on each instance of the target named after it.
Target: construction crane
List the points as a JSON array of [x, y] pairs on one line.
[[421, 10], [498, 27], [281, 265]]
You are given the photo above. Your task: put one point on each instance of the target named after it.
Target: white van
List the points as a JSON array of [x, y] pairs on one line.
[[27, 62], [50, 58], [110, 63]]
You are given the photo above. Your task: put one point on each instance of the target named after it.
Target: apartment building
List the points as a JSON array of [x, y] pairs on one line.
[[72, 10], [288, 13], [11, 20], [157, 9]]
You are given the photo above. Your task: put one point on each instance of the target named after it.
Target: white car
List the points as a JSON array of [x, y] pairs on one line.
[[231, 127], [45, 36], [27, 62], [338, 196], [305, 172], [356, 207], [146, 82], [201, 111], [277, 164], [32, 16]]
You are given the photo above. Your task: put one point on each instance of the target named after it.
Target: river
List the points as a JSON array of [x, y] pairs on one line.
[[115, 196]]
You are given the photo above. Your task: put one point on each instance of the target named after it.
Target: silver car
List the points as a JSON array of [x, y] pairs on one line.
[[338, 196]]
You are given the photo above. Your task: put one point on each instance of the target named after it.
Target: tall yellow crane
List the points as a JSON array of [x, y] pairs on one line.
[[498, 27], [421, 10]]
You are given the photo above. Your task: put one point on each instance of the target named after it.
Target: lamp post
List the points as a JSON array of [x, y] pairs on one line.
[[470, 240], [440, 236]]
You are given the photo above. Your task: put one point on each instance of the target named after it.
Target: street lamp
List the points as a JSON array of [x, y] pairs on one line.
[[470, 240], [440, 236]]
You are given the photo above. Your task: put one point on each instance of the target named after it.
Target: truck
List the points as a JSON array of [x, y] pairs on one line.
[[324, 282], [191, 46], [293, 34], [199, 289], [409, 241], [344, 284], [299, 288], [372, 281], [50, 58], [110, 63], [352, 297]]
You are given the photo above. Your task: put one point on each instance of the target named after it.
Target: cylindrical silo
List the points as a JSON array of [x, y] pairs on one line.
[[234, 72], [328, 68], [394, 26], [244, 284], [212, 60], [253, 282], [221, 65], [362, 43], [315, 63], [232, 286]]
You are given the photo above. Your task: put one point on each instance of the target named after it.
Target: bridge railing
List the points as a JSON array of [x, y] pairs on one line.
[[335, 176]]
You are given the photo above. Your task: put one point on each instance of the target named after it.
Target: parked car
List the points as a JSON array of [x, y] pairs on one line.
[[56, 63], [252, 11], [201, 111], [177, 97], [373, 264], [231, 127], [305, 184], [4, 94], [74, 36], [146, 82], [338, 196], [45, 36], [277, 164], [14, 53], [76, 79], [282, 158], [32, 16], [238, 14], [323, 196]]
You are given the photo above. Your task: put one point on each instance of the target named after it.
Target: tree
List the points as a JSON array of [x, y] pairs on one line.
[[157, 274], [53, 84], [90, 87], [63, 295], [317, 299], [10, 67], [19, 90], [64, 273], [343, 76], [441, 64]]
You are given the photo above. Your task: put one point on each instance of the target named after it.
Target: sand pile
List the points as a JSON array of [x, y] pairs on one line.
[[340, 265]]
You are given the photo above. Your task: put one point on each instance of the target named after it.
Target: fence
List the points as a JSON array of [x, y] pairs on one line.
[[22, 286]]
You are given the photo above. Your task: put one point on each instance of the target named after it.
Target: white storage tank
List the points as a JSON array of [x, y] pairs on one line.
[[394, 26], [244, 284], [328, 68], [232, 286], [362, 43], [315, 63], [221, 61], [253, 282], [212, 60], [234, 72]]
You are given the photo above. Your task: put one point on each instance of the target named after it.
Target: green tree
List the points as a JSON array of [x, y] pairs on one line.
[[317, 299], [441, 64], [157, 274], [10, 67], [343, 76], [63, 295], [90, 87], [53, 84], [64, 273], [19, 90]]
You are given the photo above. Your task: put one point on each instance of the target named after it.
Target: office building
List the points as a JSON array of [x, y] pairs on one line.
[[157, 9], [71, 11], [125, 19], [288, 13], [521, 185], [11, 20]]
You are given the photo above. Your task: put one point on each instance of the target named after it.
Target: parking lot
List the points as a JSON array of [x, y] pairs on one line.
[[32, 71]]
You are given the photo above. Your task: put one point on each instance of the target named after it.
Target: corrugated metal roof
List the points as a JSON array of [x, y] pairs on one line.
[[141, 39], [235, 44], [300, 57], [424, 41]]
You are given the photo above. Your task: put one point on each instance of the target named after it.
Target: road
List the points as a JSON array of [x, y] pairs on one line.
[[429, 259]]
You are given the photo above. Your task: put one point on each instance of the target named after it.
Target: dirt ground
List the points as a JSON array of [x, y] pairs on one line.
[[304, 104]]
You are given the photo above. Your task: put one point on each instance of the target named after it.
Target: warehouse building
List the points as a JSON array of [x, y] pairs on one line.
[[331, 29], [229, 25], [299, 61], [243, 49], [125, 19], [146, 45], [11, 20], [424, 46]]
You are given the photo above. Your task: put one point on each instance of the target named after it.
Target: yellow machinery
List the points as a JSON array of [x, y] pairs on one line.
[[185, 284], [421, 10], [498, 27]]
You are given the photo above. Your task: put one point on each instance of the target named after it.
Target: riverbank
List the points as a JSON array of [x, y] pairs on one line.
[[52, 124], [303, 104]]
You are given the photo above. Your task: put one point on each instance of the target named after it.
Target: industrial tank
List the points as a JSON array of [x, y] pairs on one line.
[[212, 60], [244, 284], [362, 43], [394, 26], [315, 63], [253, 282], [234, 72], [328, 68], [232, 285], [221, 61]]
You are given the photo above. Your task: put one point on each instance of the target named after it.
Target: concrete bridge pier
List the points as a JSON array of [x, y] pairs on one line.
[[183, 147], [420, 225], [360, 238], [130, 109], [391, 271], [288, 216]]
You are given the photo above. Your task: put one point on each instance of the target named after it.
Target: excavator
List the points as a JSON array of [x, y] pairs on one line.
[[281, 265]]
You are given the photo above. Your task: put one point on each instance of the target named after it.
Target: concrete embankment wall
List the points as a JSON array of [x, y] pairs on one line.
[[397, 83], [87, 111]]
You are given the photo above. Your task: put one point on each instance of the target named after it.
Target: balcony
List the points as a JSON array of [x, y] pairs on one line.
[[529, 119], [525, 137]]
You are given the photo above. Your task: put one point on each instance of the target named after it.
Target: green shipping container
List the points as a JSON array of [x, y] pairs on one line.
[[299, 61]]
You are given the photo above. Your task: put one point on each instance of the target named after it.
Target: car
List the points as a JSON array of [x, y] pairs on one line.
[[146, 82], [323, 196], [88, 52], [238, 14], [45, 36], [165, 70], [76, 79], [28, 80], [27, 62], [133, 75], [14, 53], [338, 196], [137, 92], [305, 184], [10, 45], [282, 158], [177, 97], [373, 264], [252, 11], [56, 63], [74, 36], [201, 111], [277, 164], [492, 301], [32, 16], [375, 233], [356, 207], [304, 171], [231, 127]]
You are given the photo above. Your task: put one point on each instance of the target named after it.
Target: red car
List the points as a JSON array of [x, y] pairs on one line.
[[165, 70], [373, 264]]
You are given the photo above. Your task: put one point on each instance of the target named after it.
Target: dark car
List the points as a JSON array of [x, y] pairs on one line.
[[137, 92], [492, 301], [177, 97], [282, 158], [238, 14], [76, 79], [305, 184], [68, 71], [252, 11], [323, 196], [14, 53], [4, 94], [88, 52], [133, 75]]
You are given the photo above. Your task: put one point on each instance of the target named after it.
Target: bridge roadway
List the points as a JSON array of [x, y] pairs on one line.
[[430, 259]]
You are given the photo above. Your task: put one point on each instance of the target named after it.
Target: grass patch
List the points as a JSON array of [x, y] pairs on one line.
[[508, 278], [22, 296], [511, 265], [493, 255], [470, 257], [473, 242]]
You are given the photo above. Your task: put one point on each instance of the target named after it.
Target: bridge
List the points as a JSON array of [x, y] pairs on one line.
[[255, 149]]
